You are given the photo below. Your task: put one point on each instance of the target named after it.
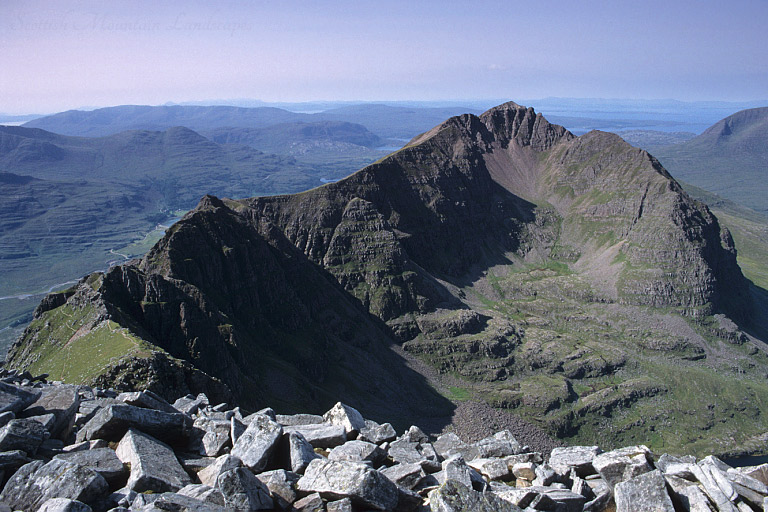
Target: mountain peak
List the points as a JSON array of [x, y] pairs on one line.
[[501, 125], [512, 121], [210, 202]]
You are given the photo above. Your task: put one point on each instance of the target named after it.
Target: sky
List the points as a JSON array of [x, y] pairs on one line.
[[58, 55]]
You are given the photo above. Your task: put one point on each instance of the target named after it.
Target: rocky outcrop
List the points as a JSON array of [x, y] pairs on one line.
[[447, 474]]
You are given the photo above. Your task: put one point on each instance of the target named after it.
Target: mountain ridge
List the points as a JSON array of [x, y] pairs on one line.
[[472, 246]]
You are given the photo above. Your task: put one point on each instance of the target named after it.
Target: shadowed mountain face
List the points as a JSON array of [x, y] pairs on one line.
[[250, 310], [568, 278], [730, 158]]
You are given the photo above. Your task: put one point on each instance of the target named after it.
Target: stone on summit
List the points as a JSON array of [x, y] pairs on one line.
[[37, 482], [359, 451], [643, 493], [301, 452], [15, 399], [61, 401], [148, 400], [255, 446], [112, 422], [154, 466], [321, 435], [347, 417], [377, 434], [454, 496], [578, 458], [210, 474], [243, 491], [104, 461], [64, 505], [342, 479], [24, 434]]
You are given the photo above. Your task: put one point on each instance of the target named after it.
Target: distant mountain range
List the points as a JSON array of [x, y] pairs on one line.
[[568, 279], [383, 120], [730, 158]]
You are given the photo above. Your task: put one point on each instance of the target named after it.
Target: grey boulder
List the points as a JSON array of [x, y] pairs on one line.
[[322, 435], [37, 482], [64, 505], [453, 496], [22, 434], [104, 461], [344, 505], [298, 419], [243, 491], [450, 444], [62, 402], [255, 446], [563, 499], [492, 469], [414, 447], [643, 493], [458, 470], [578, 458], [174, 502], [204, 493], [500, 444], [148, 400], [359, 451], [407, 476], [300, 452], [377, 434], [622, 464], [190, 404], [112, 422], [343, 479], [154, 466], [15, 399], [210, 475], [312, 503], [12, 460], [520, 497], [210, 436], [281, 485], [345, 416]]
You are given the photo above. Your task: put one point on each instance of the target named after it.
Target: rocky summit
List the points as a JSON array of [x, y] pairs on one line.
[[79, 448], [495, 260]]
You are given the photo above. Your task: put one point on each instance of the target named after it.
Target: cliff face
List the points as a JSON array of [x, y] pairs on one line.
[[554, 275]]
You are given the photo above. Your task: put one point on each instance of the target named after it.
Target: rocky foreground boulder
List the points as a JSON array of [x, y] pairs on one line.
[[76, 448]]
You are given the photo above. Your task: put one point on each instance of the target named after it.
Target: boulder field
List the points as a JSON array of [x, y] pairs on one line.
[[78, 448]]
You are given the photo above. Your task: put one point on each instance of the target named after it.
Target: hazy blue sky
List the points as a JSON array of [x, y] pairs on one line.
[[59, 55]]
